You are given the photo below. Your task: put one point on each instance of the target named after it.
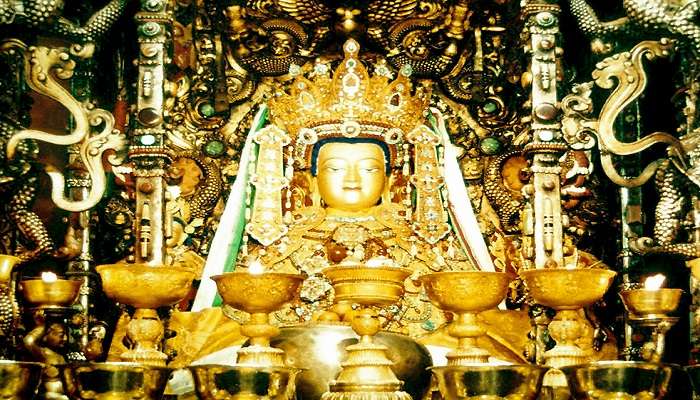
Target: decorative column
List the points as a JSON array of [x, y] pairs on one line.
[[546, 146], [147, 149]]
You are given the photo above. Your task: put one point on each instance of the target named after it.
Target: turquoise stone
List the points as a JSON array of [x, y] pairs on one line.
[[490, 146], [214, 148], [207, 110]]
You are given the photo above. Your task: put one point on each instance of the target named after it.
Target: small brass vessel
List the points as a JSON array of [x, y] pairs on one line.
[[19, 380], [618, 380], [366, 373], [145, 287], [466, 293], [567, 289], [50, 294], [114, 381], [258, 295], [489, 382], [244, 382], [651, 303], [650, 308]]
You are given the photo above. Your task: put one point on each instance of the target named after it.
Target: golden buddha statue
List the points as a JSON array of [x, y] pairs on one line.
[[352, 168]]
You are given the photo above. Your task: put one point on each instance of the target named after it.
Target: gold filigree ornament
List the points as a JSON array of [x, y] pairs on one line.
[[348, 104]]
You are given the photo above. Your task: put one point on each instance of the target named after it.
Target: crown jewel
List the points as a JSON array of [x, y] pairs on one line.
[[350, 103]]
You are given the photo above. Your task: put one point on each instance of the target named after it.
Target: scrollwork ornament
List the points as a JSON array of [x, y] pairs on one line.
[[42, 65]]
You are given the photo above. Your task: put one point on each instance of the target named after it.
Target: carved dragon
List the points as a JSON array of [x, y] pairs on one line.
[[624, 73], [45, 15], [41, 65], [641, 17]]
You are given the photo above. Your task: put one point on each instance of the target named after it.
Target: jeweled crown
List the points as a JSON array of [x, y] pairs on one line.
[[349, 103]]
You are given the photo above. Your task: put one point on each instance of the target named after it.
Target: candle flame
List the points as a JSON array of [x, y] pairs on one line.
[[49, 277], [256, 267], [654, 282]]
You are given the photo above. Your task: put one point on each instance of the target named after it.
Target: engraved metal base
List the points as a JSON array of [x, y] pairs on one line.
[[367, 375], [491, 382], [244, 383]]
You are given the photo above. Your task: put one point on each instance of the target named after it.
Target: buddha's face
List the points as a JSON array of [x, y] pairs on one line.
[[351, 176]]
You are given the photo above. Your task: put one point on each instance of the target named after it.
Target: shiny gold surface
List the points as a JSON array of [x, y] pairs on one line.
[[567, 289], [244, 382], [466, 293], [319, 349], [366, 372], [647, 303], [489, 382], [257, 293], [461, 291], [145, 286], [351, 176], [7, 262], [114, 381], [59, 293], [618, 380], [19, 380], [367, 286]]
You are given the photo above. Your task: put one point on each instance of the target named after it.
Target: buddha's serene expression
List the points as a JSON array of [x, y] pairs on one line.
[[351, 176]]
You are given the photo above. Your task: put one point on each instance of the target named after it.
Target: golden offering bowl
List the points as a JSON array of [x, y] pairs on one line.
[[7, 263], [50, 294], [380, 286], [244, 382], [478, 381], [145, 286], [257, 293], [618, 380], [466, 291], [651, 303], [114, 381], [19, 380], [567, 289]]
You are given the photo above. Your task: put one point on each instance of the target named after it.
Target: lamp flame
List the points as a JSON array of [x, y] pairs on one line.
[[256, 267], [49, 277], [654, 282]]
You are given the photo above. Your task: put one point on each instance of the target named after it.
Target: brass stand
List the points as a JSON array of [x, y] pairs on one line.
[[146, 288], [567, 291], [366, 373], [466, 293], [258, 295], [650, 308]]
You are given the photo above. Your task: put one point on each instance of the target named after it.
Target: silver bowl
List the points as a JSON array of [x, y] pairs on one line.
[[483, 381], [244, 382], [114, 381], [618, 379], [19, 380], [320, 348]]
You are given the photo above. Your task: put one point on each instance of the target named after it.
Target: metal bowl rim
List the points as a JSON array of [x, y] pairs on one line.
[[622, 363], [216, 278], [117, 365], [21, 363], [245, 367], [486, 367]]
